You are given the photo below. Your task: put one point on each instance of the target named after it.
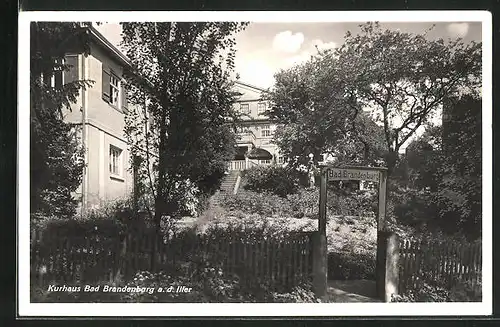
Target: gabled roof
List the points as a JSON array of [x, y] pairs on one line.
[[111, 49], [118, 55], [251, 86]]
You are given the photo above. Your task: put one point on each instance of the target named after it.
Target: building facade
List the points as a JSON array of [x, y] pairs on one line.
[[99, 115], [255, 134]]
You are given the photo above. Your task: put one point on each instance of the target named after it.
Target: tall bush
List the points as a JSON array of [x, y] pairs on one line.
[[273, 179]]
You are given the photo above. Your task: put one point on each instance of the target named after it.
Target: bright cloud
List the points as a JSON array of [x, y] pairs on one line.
[[322, 45], [288, 42], [458, 29]]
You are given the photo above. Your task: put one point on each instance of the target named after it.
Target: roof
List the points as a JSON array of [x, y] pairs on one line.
[[251, 86], [260, 153], [114, 51], [124, 60]]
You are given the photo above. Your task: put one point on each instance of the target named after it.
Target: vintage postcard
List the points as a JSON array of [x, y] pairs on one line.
[[243, 164]]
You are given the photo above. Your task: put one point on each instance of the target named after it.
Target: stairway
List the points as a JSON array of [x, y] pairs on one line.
[[226, 187]]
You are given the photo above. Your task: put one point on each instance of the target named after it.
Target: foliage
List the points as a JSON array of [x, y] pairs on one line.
[[419, 168], [414, 207], [199, 270], [431, 291], [298, 295], [181, 83], [278, 180], [302, 204], [251, 202], [108, 223], [405, 77], [56, 159], [442, 185], [313, 116], [460, 187], [208, 286], [400, 78], [425, 293], [351, 266]]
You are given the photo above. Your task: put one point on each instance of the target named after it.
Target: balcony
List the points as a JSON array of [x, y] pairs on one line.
[[245, 137]]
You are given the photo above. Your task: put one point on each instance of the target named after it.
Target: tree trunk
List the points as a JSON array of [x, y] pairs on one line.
[[160, 193], [392, 160]]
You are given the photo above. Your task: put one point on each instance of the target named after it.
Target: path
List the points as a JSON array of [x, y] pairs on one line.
[[352, 291]]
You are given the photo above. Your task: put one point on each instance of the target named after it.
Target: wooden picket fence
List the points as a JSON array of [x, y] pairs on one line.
[[278, 261], [445, 263]]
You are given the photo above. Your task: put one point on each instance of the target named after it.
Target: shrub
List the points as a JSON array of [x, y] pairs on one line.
[[110, 221], [209, 285], [297, 295], [304, 203], [273, 179], [351, 266], [357, 203], [264, 204], [301, 204], [466, 292], [412, 207], [427, 292]]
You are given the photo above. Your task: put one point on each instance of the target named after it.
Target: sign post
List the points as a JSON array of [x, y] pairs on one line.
[[320, 249], [320, 262]]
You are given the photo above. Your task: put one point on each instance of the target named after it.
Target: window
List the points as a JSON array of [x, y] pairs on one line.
[[261, 107], [245, 108], [55, 79], [281, 160], [62, 75], [266, 131], [114, 89], [115, 161], [111, 88], [265, 162]]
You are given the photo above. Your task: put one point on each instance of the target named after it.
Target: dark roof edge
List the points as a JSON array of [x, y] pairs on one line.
[[114, 51], [117, 54], [251, 86]]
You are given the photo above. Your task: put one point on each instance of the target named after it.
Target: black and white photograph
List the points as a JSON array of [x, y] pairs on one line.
[[249, 164]]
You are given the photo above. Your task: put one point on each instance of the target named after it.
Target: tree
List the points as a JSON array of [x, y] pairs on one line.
[[460, 187], [316, 115], [56, 163], [424, 158], [182, 133], [402, 78], [444, 162]]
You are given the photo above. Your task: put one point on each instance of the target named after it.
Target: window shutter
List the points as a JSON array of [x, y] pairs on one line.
[[124, 93], [105, 84], [71, 75]]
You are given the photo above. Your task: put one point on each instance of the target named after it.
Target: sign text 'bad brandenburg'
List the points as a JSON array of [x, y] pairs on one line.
[[343, 174]]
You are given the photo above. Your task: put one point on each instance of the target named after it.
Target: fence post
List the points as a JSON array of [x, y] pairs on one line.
[[319, 264], [122, 258], [387, 265]]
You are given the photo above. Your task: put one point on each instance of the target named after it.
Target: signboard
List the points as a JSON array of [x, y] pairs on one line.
[[350, 174]]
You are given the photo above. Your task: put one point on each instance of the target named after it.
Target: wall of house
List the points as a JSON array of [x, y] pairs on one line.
[[255, 122], [105, 128]]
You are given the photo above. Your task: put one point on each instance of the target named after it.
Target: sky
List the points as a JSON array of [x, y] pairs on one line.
[[265, 48]]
